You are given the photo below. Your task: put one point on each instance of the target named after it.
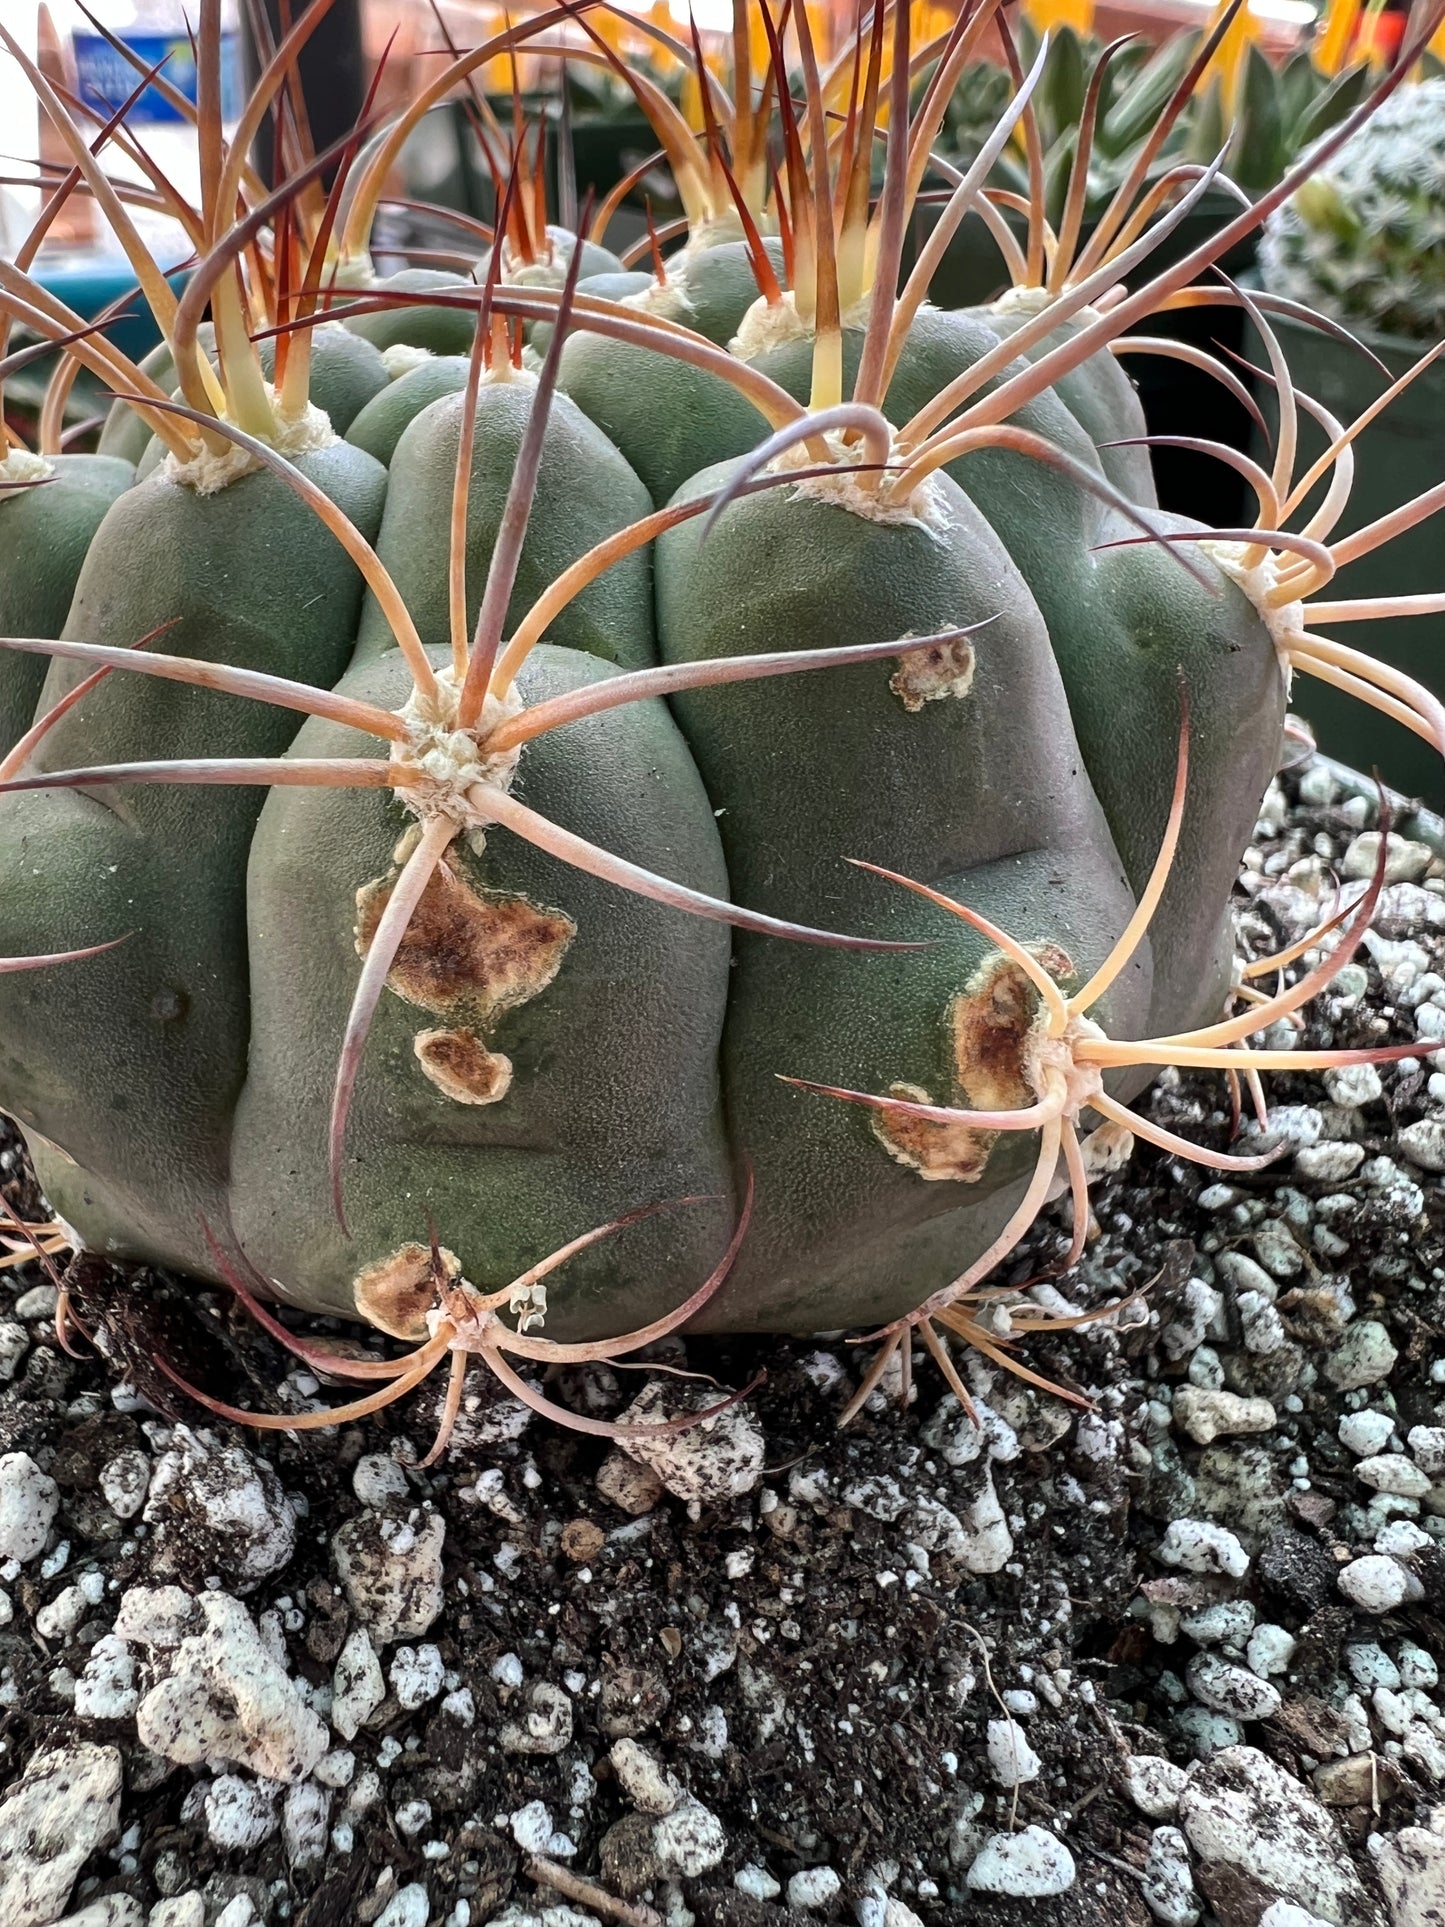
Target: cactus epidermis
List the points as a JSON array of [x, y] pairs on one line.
[[461, 973]]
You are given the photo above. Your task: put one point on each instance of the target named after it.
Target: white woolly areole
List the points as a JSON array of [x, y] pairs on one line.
[[450, 761], [353, 271], [1031, 301], [770, 324], [844, 488], [20, 465], [401, 357], [666, 299], [1286, 620], [208, 473]]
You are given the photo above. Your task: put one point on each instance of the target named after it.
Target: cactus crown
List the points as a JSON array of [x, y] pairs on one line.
[[1364, 238]]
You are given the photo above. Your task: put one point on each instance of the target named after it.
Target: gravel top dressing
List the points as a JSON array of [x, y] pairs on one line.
[[1174, 1658]]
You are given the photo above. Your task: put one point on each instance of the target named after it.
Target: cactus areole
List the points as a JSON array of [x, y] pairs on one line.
[[707, 802]]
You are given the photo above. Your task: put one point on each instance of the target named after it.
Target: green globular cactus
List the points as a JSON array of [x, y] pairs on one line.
[[1363, 239], [50, 509], [696, 824]]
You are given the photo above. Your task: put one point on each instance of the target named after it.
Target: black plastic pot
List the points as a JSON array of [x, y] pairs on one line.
[[1399, 456]]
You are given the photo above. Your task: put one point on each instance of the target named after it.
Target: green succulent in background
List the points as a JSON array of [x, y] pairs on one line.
[[1276, 113], [1365, 238]]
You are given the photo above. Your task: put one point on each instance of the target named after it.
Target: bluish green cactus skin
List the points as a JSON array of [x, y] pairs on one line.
[[380, 425], [125, 1071], [585, 491], [614, 1098], [443, 331], [982, 794], [1130, 629], [346, 372], [44, 534], [553, 1053]]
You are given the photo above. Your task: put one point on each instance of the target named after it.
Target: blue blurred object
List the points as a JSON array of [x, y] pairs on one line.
[[88, 282]]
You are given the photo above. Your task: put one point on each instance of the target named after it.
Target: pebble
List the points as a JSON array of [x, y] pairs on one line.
[[1277, 1249], [1261, 1326], [1405, 862], [1028, 1865], [986, 1544], [1378, 1584], [182, 1910], [719, 1460], [1411, 1866], [65, 1807], [1427, 1448], [1352, 1086], [123, 1483], [227, 1697], [417, 1675], [305, 1821], [1241, 1810], [813, 1888], [1226, 1688], [1197, 1545], [689, 1841], [106, 1690], [114, 1910], [1423, 1143], [1284, 1913], [631, 1487], [647, 1784], [756, 1882], [546, 1726], [1365, 1433], [1363, 1356], [357, 1685], [219, 1499], [378, 1481], [240, 1814], [37, 1303], [1154, 1785], [1270, 1650], [391, 1572], [1418, 1668], [409, 1907], [1206, 1415], [1168, 1883], [1011, 1760], [1330, 1161], [1228, 1622], [1392, 1472], [29, 1501]]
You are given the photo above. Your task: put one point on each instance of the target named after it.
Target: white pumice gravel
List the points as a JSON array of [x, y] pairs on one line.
[[1208, 1415], [1392, 1472], [1011, 1760], [1366, 1433], [1028, 1865], [64, 1807], [1365, 1355], [391, 1571], [29, 1501], [720, 1459], [814, 1888], [1154, 1784], [1168, 1884], [1377, 1583], [1198, 1545]]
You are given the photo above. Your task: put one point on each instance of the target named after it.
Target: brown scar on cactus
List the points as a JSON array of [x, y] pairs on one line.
[[461, 1066], [988, 1024], [420, 1289], [484, 952], [1062, 1066]]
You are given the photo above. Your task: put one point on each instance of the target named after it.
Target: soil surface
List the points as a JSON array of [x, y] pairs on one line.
[[904, 1672]]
